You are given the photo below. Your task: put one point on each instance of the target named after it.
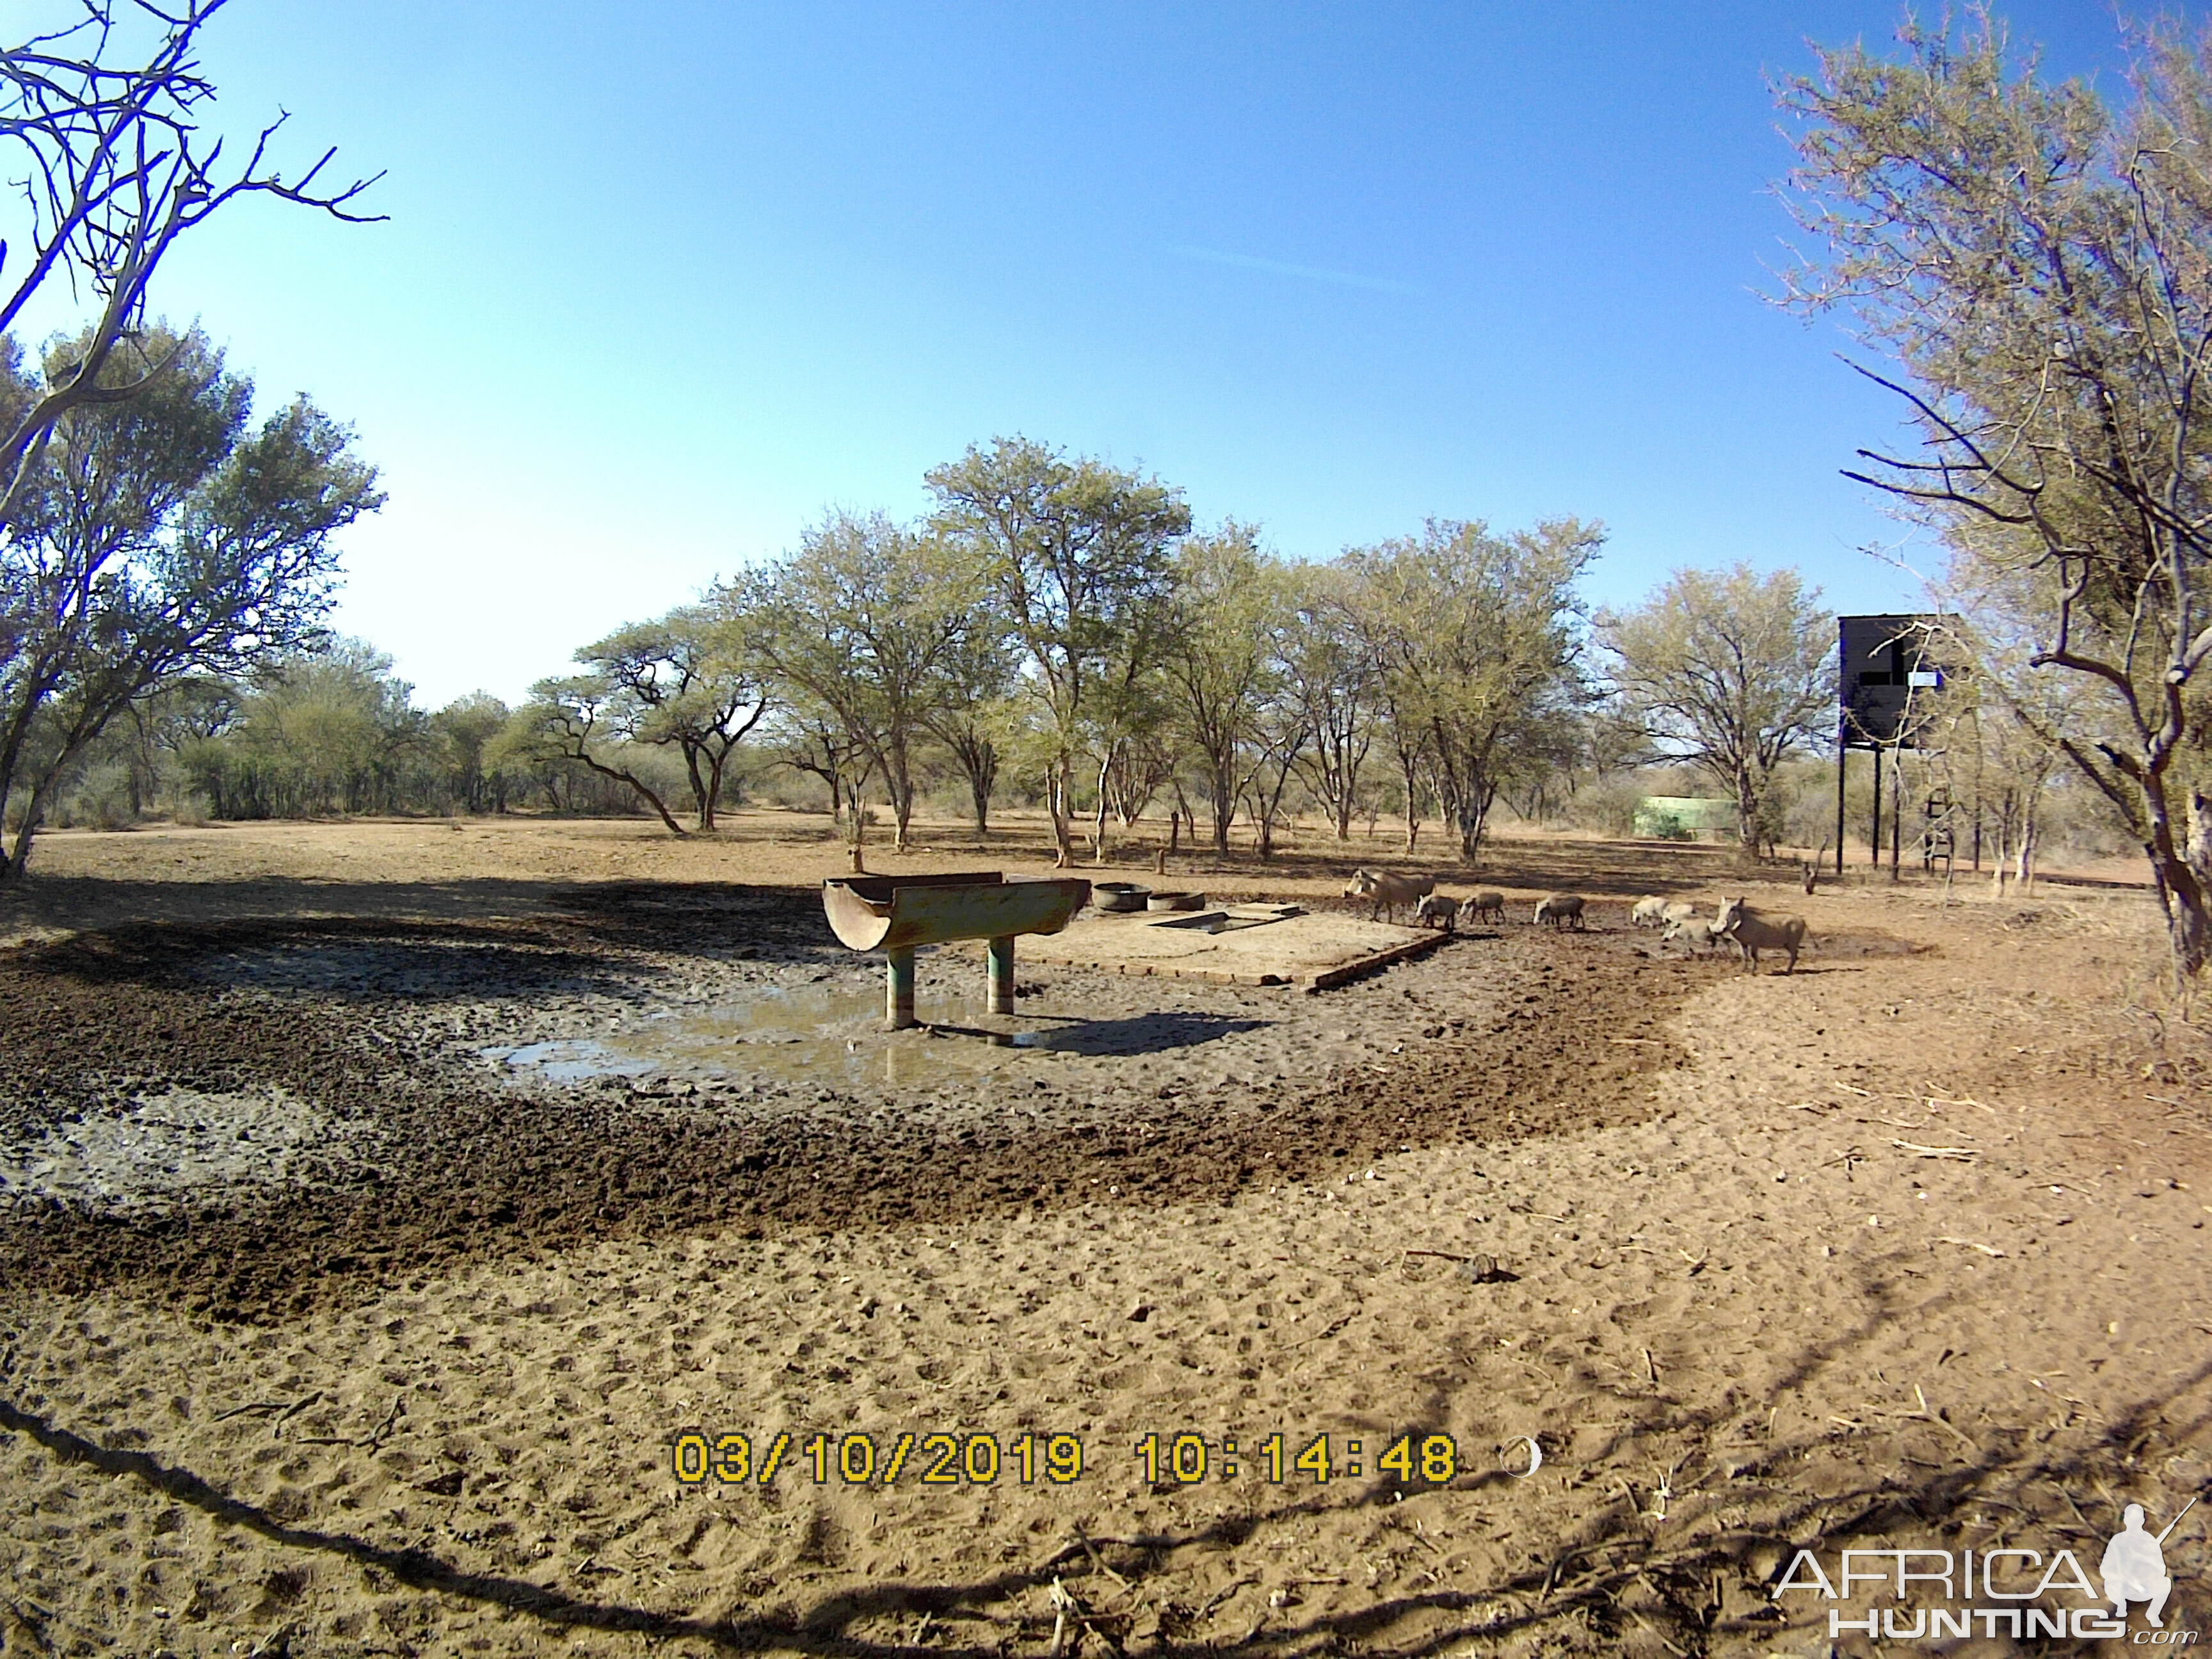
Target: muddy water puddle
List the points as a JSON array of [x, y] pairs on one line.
[[168, 1147], [818, 1034]]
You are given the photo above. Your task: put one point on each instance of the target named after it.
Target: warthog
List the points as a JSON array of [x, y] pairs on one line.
[[1676, 910], [1695, 937], [1388, 891], [1435, 910], [1751, 932], [1559, 910], [1482, 906], [1649, 912]]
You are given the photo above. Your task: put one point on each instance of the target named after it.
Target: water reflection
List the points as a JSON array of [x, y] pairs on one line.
[[829, 1034], [833, 1035]]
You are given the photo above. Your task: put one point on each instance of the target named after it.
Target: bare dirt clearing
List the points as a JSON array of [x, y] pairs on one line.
[[378, 1202]]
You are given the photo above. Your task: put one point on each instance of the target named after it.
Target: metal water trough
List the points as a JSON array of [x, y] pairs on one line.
[[894, 914]]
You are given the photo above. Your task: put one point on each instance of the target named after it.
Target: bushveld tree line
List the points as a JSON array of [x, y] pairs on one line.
[[2026, 264], [1075, 642]]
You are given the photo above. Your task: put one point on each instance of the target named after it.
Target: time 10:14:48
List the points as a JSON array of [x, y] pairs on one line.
[[1187, 1459]]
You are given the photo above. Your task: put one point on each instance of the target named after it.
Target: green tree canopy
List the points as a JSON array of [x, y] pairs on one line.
[[1231, 603], [872, 624], [1474, 639], [2035, 262], [686, 681], [1729, 670], [1077, 554], [157, 537]]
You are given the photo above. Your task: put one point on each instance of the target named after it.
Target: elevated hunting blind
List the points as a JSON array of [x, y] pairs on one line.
[[1885, 669], [1884, 662]]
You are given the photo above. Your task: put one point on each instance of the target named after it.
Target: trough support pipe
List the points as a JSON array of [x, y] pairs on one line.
[[1001, 1000], [898, 990]]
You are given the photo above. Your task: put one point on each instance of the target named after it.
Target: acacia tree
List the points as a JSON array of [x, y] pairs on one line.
[[1730, 670], [966, 706], [867, 620], [1986, 730], [1327, 675], [1218, 657], [104, 117], [587, 720], [1279, 736], [157, 538], [685, 681], [328, 730], [1129, 730], [1472, 636], [807, 737], [462, 730], [1076, 554], [2037, 266]]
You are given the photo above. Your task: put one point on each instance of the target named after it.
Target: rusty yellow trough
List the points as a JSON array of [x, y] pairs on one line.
[[894, 914]]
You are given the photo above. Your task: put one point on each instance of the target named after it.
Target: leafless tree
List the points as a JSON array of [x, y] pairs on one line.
[[117, 165], [2036, 263]]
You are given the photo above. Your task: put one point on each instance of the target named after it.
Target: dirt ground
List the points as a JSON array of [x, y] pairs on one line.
[[398, 1221]]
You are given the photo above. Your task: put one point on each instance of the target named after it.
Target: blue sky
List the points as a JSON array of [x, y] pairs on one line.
[[659, 285]]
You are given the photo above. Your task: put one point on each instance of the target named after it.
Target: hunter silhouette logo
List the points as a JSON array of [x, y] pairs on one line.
[[2135, 1564], [2010, 1591]]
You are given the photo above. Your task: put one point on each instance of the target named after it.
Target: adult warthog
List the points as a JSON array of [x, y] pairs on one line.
[[1561, 910], [1388, 891], [1751, 932]]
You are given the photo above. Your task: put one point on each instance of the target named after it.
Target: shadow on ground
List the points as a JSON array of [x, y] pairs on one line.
[[1596, 1585]]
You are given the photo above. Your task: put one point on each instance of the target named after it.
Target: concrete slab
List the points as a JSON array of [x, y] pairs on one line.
[[1240, 944]]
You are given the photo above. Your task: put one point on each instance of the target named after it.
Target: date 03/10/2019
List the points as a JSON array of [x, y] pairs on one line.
[[946, 1459]]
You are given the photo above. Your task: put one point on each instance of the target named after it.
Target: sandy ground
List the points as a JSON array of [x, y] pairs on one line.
[[383, 1205]]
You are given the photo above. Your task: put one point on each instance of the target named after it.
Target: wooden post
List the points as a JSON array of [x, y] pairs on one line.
[[898, 990], [1001, 999]]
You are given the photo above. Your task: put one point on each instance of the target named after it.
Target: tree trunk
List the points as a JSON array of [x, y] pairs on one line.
[[1475, 818], [714, 765], [2183, 898], [899, 785], [702, 797], [1056, 799], [1747, 817], [2200, 837], [1098, 827], [12, 865], [643, 790], [980, 761]]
